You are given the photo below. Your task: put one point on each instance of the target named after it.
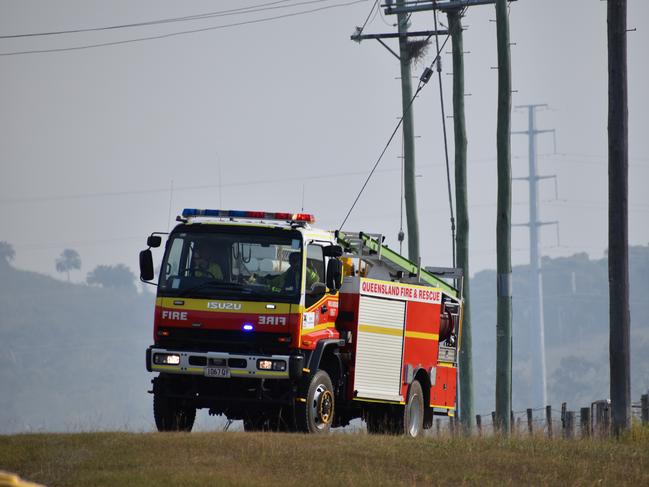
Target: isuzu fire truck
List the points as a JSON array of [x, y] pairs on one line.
[[291, 328]]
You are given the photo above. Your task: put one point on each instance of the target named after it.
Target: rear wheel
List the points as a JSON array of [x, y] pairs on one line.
[[172, 414], [413, 415], [316, 414]]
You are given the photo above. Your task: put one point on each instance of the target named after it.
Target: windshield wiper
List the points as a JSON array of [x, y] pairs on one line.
[[216, 284]]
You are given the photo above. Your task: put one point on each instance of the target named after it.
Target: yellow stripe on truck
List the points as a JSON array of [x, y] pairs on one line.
[[422, 335], [381, 330], [384, 330], [225, 306]]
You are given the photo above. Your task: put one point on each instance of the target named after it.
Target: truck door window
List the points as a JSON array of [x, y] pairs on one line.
[[314, 272], [172, 263]]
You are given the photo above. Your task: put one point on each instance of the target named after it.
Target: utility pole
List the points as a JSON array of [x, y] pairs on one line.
[[410, 189], [454, 10], [503, 226], [618, 230], [537, 325], [467, 411]]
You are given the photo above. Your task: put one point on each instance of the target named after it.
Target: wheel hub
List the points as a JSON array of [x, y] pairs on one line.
[[322, 406]]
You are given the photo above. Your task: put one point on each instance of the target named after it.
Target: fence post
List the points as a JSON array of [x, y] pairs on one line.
[[570, 424], [494, 426], [585, 422], [607, 420], [438, 425], [548, 419], [451, 426], [530, 429], [645, 408], [478, 424], [564, 407], [512, 423]]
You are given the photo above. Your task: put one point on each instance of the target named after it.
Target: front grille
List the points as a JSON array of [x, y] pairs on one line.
[[223, 341]]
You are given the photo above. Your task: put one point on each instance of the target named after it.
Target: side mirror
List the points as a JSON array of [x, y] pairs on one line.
[[334, 274], [332, 251], [146, 265], [154, 241]]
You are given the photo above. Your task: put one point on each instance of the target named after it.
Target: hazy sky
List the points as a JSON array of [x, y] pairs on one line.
[[279, 114]]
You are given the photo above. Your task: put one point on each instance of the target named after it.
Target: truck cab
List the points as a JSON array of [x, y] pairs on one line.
[[243, 297]]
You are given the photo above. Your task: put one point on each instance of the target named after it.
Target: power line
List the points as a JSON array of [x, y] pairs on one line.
[[360, 31], [207, 15], [186, 188], [185, 32], [438, 60]]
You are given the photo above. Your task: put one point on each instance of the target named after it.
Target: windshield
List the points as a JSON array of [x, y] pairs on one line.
[[233, 265]]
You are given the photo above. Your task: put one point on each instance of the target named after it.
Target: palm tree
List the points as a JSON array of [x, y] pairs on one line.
[[7, 252], [68, 261]]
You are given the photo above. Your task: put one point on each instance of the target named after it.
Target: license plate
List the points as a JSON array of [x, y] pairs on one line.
[[222, 372]]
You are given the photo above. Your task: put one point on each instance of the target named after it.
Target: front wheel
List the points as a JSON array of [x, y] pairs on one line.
[[317, 413], [171, 414]]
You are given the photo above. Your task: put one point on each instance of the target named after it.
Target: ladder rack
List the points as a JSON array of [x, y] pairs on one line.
[[370, 247]]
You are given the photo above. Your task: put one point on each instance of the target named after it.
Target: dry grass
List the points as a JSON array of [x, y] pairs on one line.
[[122, 459]]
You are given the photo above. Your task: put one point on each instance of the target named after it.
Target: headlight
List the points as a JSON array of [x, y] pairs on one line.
[[277, 365], [166, 359]]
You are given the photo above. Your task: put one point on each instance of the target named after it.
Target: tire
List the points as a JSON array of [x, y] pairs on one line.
[[171, 414], [317, 413], [413, 414]]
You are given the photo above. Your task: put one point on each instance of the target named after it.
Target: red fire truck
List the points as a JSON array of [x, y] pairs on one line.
[[263, 318]]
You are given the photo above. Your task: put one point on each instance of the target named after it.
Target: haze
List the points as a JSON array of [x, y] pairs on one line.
[[290, 113]]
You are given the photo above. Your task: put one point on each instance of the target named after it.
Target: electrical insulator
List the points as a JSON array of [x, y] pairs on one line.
[[425, 76], [401, 236]]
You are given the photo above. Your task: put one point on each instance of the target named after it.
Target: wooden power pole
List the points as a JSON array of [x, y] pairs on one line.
[[409, 185], [503, 226], [618, 184], [467, 410]]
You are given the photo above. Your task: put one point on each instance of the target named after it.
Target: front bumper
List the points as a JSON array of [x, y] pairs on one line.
[[238, 365]]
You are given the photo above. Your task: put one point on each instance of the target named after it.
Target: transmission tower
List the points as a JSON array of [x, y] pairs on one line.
[[537, 326]]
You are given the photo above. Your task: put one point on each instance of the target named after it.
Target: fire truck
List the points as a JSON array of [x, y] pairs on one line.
[[292, 328]]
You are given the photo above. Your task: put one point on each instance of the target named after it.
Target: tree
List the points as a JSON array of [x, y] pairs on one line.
[[118, 276], [68, 261], [7, 252]]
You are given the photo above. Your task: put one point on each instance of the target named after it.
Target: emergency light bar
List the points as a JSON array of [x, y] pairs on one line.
[[263, 215]]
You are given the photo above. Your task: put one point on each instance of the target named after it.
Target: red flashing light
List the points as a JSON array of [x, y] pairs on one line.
[[256, 214], [304, 217]]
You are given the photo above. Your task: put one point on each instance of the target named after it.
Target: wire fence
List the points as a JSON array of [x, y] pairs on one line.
[[593, 421]]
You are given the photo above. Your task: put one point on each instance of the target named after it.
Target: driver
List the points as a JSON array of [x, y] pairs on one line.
[[205, 262]]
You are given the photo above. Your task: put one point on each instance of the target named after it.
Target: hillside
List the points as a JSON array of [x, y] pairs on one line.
[[72, 356]]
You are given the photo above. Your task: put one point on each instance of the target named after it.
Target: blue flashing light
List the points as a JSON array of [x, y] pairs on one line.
[[248, 327]]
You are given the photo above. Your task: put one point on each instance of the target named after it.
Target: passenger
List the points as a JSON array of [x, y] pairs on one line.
[[290, 279]]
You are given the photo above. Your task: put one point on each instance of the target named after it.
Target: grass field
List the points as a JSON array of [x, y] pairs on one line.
[[233, 458]]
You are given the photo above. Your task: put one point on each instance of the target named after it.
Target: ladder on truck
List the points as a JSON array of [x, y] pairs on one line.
[[370, 247]]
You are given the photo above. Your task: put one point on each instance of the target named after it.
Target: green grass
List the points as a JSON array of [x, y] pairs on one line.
[[206, 459]]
